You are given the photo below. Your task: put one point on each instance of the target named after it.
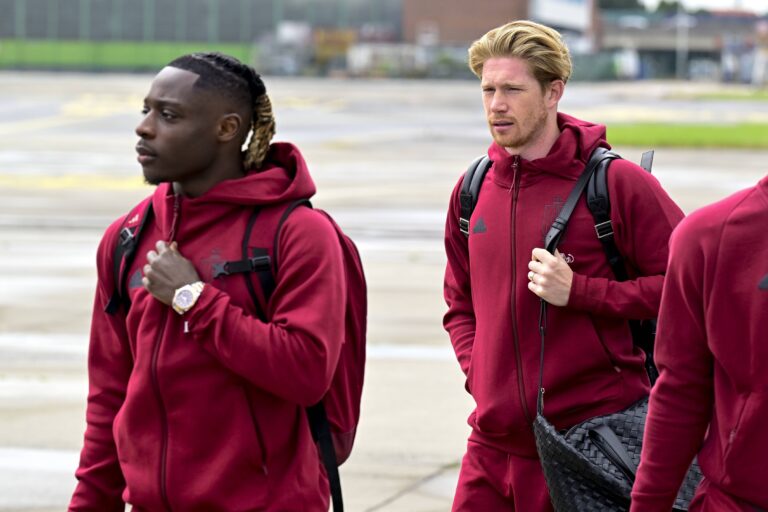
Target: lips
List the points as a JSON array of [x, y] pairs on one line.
[[144, 150], [146, 154]]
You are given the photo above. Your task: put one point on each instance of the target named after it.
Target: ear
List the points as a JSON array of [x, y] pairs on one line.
[[555, 92], [229, 126]]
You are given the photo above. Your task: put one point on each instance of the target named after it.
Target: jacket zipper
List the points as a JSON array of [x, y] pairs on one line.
[[163, 416], [175, 221], [156, 382], [518, 358], [257, 430]]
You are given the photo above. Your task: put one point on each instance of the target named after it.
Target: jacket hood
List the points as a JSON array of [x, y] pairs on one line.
[[284, 177], [567, 156]]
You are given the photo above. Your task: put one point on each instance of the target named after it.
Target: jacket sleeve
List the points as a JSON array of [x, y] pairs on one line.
[[100, 480], [681, 401], [295, 354], [459, 321], [643, 217]]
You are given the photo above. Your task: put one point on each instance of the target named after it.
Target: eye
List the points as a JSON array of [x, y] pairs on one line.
[[488, 89], [168, 114], [145, 110]]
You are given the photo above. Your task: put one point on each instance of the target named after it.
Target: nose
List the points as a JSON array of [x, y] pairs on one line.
[[497, 102], [145, 129]]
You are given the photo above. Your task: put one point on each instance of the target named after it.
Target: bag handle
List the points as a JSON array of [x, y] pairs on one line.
[[551, 240]]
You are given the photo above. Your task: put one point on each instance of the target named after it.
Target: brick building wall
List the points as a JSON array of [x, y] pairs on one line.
[[457, 21]]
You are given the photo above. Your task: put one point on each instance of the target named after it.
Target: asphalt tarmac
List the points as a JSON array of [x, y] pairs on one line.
[[385, 156]]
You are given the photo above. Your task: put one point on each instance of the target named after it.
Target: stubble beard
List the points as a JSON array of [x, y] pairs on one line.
[[521, 140]]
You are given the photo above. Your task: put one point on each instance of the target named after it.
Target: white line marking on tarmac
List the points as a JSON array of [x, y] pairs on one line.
[[78, 344]]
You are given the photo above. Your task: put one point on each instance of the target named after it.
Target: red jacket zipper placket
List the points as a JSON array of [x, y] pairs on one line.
[[155, 379], [518, 358]]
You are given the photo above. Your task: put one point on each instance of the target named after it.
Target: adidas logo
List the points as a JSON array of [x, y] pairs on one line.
[[763, 284], [135, 281], [134, 219], [480, 226]]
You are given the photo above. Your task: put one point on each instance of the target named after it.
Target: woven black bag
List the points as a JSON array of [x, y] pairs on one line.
[[591, 466]]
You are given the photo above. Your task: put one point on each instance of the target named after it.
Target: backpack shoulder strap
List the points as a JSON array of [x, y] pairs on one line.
[[599, 204], [321, 434], [318, 419], [283, 218], [124, 253], [470, 190], [555, 232]]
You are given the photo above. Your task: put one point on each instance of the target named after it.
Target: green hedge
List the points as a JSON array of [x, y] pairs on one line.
[[111, 56]]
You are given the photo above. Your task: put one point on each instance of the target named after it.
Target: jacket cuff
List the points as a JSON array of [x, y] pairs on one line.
[[194, 316], [580, 297]]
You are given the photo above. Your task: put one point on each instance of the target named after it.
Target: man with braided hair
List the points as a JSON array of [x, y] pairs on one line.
[[196, 401]]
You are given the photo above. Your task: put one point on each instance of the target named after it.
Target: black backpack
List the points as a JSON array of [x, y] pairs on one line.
[[643, 331]]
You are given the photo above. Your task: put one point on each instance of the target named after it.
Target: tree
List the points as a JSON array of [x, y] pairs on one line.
[[669, 6], [621, 5]]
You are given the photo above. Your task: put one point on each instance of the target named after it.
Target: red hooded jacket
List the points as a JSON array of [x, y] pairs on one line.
[[591, 365], [206, 411], [712, 351]]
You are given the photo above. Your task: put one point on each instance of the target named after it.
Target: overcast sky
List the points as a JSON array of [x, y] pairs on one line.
[[758, 6]]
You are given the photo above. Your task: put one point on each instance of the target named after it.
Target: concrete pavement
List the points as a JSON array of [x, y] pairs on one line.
[[385, 155]]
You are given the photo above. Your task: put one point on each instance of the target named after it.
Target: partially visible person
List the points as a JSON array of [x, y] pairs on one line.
[[195, 403], [711, 398], [498, 271]]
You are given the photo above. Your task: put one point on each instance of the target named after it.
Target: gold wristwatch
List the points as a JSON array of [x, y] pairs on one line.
[[186, 296]]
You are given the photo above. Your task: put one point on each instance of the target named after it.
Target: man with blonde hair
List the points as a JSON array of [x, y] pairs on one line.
[[497, 272]]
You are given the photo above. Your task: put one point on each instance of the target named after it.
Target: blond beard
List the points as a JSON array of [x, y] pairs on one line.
[[523, 139]]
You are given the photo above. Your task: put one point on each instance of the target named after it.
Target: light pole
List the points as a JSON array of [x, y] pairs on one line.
[[681, 32]]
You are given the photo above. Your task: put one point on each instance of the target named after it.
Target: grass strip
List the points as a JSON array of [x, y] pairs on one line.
[[107, 56], [690, 135]]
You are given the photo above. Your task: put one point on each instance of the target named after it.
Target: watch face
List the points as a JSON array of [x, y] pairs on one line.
[[184, 298]]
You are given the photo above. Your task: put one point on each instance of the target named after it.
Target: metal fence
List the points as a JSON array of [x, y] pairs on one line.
[[182, 20]]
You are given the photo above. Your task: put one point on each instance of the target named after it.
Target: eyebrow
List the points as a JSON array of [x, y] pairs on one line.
[[503, 84], [163, 102]]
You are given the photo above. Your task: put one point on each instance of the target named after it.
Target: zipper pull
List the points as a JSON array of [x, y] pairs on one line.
[[175, 221], [515, 167]]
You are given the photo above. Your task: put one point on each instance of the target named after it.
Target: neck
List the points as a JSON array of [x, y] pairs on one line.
[[216, 173]]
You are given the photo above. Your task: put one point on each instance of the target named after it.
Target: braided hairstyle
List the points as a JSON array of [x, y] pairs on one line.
[[228, 76]]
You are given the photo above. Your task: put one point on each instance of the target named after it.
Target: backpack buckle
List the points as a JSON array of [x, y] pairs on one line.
[[255, 264], [604, 229], [464, 225], [260, 263], [126, 237]]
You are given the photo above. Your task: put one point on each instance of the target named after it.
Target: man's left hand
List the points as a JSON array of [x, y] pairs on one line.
[[166, 271], [550, 277]]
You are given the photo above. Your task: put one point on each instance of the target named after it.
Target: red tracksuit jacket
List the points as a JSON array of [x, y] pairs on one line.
[[712, 350], [205, 412], [591, 364]]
